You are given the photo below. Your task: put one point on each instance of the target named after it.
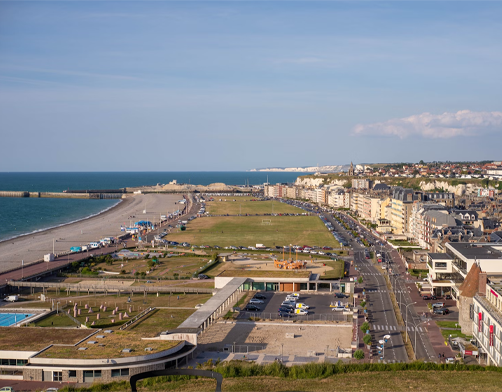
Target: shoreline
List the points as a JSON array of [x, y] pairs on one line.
[[63, 224], [32, 247]]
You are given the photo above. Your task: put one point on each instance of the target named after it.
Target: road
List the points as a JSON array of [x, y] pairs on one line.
[[401, 285], [383, 321]]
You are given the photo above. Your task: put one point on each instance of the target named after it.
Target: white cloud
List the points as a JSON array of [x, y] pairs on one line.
[[434, 126]]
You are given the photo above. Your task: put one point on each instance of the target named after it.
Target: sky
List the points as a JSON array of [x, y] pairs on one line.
[[237, 85]]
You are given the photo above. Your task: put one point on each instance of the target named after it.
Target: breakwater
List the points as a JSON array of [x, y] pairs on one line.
[[61, 195]]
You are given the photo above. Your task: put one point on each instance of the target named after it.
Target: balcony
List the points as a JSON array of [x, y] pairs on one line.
[[460, 267], [490, 309]]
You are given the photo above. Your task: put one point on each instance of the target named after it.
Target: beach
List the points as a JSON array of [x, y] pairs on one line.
[[33, 247]]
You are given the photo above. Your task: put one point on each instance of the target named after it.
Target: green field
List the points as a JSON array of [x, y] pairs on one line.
[[250, 230], [243, 207], [166, 268], [337, 271]]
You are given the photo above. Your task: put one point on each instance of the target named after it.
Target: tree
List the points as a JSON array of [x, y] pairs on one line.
[[365, 326], [421, 162], [150, 263], [367, 339]]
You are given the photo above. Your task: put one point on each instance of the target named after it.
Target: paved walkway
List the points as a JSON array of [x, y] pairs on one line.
[[21, 385]]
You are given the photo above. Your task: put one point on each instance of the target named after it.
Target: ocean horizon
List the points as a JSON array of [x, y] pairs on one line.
[[20, 216]]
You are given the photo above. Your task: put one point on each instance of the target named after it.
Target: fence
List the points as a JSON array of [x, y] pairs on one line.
[[295, 317]]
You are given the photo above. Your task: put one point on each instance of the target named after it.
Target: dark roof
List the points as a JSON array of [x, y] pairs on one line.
[[476, 250], [440, 256], [381, 187]]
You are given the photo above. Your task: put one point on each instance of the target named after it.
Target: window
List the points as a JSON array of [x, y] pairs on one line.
[[57, 376], [72, 373], [22, 362], [120, 372], [97, 373]]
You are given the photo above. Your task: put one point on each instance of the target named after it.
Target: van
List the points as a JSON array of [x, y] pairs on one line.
[[300, 305], [301, 311]]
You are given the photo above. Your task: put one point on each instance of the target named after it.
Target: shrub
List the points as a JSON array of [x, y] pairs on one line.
[[365, 326], [363, 304], [367, 339], [359, 354]]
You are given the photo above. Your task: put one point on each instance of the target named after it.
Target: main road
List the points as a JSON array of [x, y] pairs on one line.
[[415, 323], [383, 319]]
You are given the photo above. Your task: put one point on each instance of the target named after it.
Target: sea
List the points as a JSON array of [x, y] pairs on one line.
[[19, 216]]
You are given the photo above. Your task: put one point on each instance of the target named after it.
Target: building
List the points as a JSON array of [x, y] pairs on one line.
[[402, 202], [351, 169], [361, 183]]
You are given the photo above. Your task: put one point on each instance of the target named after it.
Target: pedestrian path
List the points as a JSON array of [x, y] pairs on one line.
[[376, 291], [396, 328]]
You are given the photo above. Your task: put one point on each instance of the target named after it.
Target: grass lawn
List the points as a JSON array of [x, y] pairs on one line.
[[34, 339], [337, 271], [447, 324], [29, 305], [113, 344], [56, 320], [434, 381], [455, 333], [400, 243], [165, 268], [249, 231], [249, 207], [161, 321]]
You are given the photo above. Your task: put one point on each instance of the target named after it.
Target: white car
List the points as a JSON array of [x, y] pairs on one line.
[[321, 252], [339, 309], [301, 312], [256, 301]]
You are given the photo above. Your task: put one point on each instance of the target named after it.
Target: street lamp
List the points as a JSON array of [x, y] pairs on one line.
[[413, 303], [416, 327]]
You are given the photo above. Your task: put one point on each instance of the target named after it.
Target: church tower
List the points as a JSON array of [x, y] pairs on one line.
[[351, 170]]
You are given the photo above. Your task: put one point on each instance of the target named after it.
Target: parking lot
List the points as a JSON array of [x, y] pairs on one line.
[[319, 307]]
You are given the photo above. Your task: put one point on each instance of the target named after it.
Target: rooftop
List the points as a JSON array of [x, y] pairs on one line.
[[36, 339], [265, 274], [477, 250], [440, 256], [111, 346]]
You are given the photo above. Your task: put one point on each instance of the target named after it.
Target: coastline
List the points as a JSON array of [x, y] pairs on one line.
[[119, 201], [31, 247]]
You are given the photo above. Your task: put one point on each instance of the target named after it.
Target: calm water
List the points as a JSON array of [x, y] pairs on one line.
[[25, 215]]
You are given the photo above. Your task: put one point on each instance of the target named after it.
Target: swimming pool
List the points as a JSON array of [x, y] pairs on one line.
[[8, 319]]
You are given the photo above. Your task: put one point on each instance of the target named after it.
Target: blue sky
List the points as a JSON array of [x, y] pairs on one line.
[[234, 85]]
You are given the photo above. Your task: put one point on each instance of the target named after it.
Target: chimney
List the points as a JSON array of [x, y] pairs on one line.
[[482, 283]]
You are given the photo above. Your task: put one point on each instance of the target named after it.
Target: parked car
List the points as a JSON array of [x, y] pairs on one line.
[[441, 311], [256, 301], [340, 295], [433, 297], [338, 309], [286, 315], [426, 297], [301, 312], [286, 309], [252, 308], [290, 303], [448, 296], [260, 296], [202, 276], [438, 305]]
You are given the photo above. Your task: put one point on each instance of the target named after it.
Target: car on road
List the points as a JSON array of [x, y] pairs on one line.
[[438, 305], [256, 301], [260, 296], [425, 297], [441, 311], [202, 276], [252, 308], [338, 309]]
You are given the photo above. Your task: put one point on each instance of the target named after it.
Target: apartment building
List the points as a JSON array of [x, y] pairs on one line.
[[425, 218], [486, 318], [338, 198], [361, 183], [402, 202]]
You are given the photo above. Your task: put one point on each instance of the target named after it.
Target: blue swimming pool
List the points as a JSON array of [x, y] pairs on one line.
[[8, 319]]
